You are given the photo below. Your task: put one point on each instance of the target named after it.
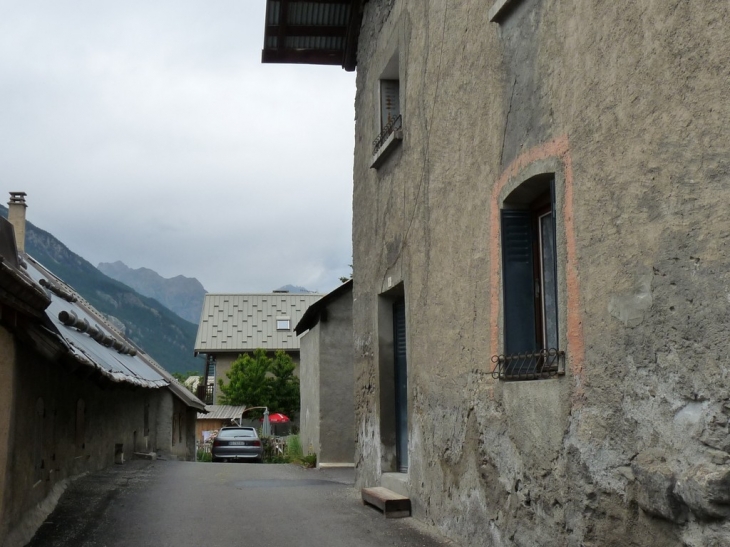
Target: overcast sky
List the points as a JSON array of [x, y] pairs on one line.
[[149, 132]]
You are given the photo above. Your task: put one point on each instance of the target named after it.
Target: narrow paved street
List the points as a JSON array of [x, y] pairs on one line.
[[180, 504]]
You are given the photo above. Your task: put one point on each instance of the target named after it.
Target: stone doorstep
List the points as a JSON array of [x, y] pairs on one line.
[[391, 504]]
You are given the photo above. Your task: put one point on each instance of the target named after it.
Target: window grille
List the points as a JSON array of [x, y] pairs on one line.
[[536, 365], [396, 124]]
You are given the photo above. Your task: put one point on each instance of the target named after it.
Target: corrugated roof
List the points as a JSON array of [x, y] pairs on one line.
[[101, 346], [221, 412], [313, 32], [245, 322]]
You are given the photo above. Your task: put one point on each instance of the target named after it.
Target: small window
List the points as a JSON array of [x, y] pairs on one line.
[[390, 127], [530, 288], [283, 324]]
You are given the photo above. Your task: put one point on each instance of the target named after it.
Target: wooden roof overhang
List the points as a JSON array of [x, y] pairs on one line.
[[315, 32]]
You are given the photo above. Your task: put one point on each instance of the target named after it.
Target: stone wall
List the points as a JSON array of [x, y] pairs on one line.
[[309, 391], [337, 383], [327, 384], [61, 422], [626, 105]]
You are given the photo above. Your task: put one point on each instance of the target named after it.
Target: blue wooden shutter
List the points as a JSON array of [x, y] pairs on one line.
[[518, 281], [401, 384]]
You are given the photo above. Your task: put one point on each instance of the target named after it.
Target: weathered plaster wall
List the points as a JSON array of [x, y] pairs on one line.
[[309, 391], [337, 429], [628, 104], [53, 438], [7, 387], [327, 384], [175, 431]]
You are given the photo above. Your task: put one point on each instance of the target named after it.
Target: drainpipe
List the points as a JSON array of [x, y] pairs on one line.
[[16, 216]]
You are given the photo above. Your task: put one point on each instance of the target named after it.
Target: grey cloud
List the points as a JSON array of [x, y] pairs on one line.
[[156, 125]]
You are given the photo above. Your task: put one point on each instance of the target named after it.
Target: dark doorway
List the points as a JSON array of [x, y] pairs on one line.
[[401, 384]]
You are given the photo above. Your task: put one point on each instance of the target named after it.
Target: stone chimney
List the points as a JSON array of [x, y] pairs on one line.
[[16, 216]]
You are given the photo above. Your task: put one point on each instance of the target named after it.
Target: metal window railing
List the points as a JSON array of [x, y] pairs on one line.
[[537, 365], [394, 125]]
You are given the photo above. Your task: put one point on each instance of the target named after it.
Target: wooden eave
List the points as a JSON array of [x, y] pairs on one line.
[[346, 56]]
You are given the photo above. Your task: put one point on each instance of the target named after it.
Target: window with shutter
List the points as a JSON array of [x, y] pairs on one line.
[[529, 278]]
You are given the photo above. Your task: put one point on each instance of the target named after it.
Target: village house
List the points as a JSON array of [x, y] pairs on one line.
[[541, 261], [75, 395], [234, 324]]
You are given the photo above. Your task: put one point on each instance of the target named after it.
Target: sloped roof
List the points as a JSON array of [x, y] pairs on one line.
[[245, 322], [314, 313], [221, 412], [91, 340]]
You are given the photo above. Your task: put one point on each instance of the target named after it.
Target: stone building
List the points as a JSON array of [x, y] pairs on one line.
[[75, 395], [543, 176], [326, 379]]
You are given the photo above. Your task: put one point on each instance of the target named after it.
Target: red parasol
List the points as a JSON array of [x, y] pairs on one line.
[[278, 418]]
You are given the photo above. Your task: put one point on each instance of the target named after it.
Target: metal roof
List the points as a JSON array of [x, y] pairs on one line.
[[322, 32], [96, 343], [314, 313], [245, 322], [221, 412]]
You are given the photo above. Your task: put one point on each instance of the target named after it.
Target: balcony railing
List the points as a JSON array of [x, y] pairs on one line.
[[396, 124], [540, 364]]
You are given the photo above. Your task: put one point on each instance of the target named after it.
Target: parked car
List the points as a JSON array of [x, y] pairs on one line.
[[237, 443]]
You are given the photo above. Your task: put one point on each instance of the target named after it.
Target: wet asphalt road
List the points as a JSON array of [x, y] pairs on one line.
[[182, 504]]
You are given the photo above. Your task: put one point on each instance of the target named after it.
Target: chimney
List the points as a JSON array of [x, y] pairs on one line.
[[16, 216]]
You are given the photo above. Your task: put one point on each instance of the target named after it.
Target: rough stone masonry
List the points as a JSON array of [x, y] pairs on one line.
[[624, 106]]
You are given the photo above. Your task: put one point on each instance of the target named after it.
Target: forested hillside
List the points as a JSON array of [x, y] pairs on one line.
[[165, 336]]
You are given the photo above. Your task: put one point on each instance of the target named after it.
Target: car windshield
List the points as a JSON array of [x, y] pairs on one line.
[[233, 433]]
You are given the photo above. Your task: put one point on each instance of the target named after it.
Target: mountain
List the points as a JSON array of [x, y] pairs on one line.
[[168, 338], [294, 289], [183, 295]]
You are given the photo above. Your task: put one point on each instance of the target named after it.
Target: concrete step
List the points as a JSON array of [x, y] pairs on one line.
[[391, 504]]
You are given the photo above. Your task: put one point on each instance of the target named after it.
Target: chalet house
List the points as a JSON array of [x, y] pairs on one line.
[[234, 324], [327, 390], [541, 258], [75, 395]]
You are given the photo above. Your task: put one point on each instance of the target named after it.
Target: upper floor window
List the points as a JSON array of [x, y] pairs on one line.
[[390, 116], [283, 324], [529, 281]]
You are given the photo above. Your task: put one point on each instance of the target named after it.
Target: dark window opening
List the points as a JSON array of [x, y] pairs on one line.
[[530, 287]]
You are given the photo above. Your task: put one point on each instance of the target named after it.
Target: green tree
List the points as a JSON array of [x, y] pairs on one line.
[[259, 380], [284, 385], [183, 376], [247, 381]]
